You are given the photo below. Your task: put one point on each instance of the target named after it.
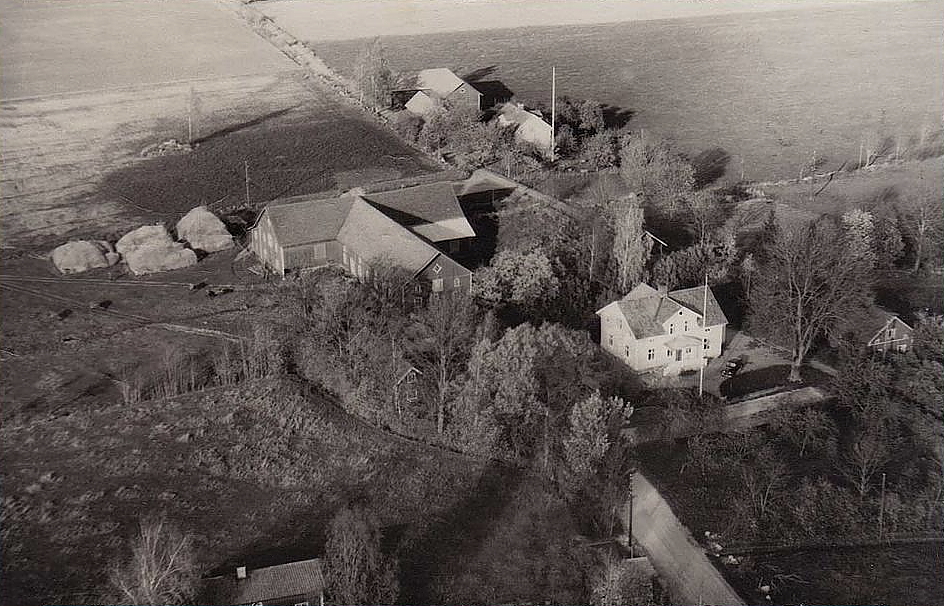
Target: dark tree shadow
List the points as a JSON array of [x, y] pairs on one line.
[[481, 73], [454, 538], [710, 165], [479, 209], [616, 117], [235, 128]]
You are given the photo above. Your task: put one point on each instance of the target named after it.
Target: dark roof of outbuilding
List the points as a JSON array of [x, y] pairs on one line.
[[285, 580], [307, 219], [431, 210]]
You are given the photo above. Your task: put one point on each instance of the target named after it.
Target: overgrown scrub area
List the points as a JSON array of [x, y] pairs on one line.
[[250, 470], [864, 470]]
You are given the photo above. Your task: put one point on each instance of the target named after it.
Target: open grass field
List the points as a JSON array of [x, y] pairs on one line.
[[71, 165], [50, 47], [767, 87], [255, 472]]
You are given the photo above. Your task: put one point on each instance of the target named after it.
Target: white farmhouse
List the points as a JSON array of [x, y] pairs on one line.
[[650, 329]]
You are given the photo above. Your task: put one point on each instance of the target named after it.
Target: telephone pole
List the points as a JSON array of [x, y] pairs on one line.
[[553, 108]]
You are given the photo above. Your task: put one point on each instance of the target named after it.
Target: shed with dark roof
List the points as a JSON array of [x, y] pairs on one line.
[[292, 584]]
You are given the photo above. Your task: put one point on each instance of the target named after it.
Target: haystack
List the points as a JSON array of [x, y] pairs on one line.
[[204, 231], [83, 255], [149, 235], [153, 258]]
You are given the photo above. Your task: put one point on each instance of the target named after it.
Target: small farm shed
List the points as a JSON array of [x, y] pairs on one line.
[[437, 85], [294, 584], [531, 128], [881, 331]]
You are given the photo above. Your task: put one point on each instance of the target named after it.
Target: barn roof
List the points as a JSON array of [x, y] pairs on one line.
[[307, 219], [374, 236], [263, 584], [431, 210], [440, 80]]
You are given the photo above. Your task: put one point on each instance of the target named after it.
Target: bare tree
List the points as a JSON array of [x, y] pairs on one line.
[[865, 458], [450, 327], [808, 286], [356, 571], [923, 219], [161, 569]]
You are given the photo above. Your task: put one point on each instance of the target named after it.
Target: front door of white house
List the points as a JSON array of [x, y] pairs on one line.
[[678, 355]]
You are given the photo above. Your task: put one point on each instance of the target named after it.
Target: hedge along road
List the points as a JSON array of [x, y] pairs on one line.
[[53, 47]]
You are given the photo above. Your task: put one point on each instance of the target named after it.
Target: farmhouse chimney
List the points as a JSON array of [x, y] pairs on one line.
[[240, 572], [663, 290]]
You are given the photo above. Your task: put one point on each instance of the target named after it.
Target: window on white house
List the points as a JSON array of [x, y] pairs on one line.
[[456, 282], [418, 288], [652, 354], [706, 344], [891, 333], [437, 285], [685, 326], [688, 350], [437, 268], [626, 350], [611, 340], [668, 353], [671, 328]]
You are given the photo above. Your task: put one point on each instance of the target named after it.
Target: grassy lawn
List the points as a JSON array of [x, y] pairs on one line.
[[255, 471]]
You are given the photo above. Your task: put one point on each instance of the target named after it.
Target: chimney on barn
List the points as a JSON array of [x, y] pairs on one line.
[[240, 572]]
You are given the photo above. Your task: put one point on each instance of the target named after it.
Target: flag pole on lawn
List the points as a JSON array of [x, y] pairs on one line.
[[553, 107]]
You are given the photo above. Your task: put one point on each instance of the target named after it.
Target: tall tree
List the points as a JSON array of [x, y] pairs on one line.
[[525, 279], [162, 568], [650, 165], [356, 571], [374, 77], [809, 285], [923, 223], [449, 326], [587, 440], [631, 244], [859, 230]]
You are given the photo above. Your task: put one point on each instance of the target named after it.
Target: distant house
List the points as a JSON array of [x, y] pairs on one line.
[[437, 86], [293, 584], [402, 227], [651, 329], [531, 127], [881, 331]]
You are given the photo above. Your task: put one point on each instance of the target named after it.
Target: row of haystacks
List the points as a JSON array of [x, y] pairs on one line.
[[150, 248]]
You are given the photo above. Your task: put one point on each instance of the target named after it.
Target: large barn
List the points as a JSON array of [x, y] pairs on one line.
[[410, 228]]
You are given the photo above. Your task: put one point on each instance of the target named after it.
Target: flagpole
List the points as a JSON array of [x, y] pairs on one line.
[[704, 325], [553, 106]]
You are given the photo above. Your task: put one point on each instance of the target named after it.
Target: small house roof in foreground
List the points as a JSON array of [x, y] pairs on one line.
[[284, 580], [645, 309], [440, 80], [431, 210]]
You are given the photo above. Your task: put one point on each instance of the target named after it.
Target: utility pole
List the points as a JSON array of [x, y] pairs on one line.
[[704, 325], [553, 108], [246, 166], [881, 512]]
